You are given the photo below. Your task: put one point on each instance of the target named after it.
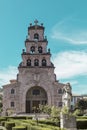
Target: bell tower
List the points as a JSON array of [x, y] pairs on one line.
[[36, 71], [36, 53]]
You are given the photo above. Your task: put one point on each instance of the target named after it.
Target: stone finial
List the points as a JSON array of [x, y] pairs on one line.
[[30, 24], [23, 50], [41, 24], [26, 37], [36, 22], [46, 37], [49, 50]]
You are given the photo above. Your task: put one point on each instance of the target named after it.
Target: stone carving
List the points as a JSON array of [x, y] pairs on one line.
[[66, 98]]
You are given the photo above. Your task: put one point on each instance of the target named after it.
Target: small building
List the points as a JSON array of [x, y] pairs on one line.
[[75, 99], [36, 81]]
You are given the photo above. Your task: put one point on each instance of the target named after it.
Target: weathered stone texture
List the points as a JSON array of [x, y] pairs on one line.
[[36, 77], [68, 122]]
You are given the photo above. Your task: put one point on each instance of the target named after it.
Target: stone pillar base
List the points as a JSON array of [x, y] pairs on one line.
[[67, 121]]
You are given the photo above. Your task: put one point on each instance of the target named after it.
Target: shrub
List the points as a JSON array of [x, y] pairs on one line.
[[45, 109], [9, 125], [18, 117], [19, 128], [3, 123], [82, 124], [55, 112], [65, 110], [78, 112], [50, 122], [2, 119], [81, 117], [35, 128], [29, 117], [44, 128]]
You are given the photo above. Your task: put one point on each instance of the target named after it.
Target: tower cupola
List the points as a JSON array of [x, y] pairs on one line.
[[36, 32], [36, 53]]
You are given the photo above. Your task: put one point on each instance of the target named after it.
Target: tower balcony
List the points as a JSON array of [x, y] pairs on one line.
[[36, 53], [28, 40]]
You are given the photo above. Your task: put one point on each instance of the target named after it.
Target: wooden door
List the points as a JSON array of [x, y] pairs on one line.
[[27, 106]]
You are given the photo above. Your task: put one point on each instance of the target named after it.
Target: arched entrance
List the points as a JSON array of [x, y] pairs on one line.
[[35, 96]]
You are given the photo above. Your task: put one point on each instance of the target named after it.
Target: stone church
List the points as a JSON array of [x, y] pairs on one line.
[[36, 81]]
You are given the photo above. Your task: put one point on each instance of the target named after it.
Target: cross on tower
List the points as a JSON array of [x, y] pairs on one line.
[[36, 21]]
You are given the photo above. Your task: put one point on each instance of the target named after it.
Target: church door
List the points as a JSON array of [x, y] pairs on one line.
[[34, 97], [27, 106], [35, 104]]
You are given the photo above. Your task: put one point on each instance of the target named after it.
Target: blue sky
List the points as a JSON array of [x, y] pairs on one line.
[[65, 24]]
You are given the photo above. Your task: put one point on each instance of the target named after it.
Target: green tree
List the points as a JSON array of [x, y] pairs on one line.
[[55, 112], [65, 110], [45, 109], [82, 104]]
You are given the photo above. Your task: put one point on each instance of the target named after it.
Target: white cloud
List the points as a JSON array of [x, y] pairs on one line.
[[69, 64], [80, 38], [7, 74], [68, 31]]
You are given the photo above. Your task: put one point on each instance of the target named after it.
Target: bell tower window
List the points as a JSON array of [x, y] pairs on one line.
[[40, 49], [32, 49], [36, 36], [36, 62], [43, 62], [28, 62]]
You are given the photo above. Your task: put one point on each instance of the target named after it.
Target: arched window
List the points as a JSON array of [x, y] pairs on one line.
[[36, 92], [36, 62], [28, 62], [36, 36], [40, 49], [32, 49], [60, 91], [12, 91], [44, 62]]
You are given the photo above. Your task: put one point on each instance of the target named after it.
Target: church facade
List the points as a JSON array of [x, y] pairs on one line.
[[36, 81]]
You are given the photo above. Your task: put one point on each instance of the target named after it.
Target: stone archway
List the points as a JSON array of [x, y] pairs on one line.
[[35, 96]]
